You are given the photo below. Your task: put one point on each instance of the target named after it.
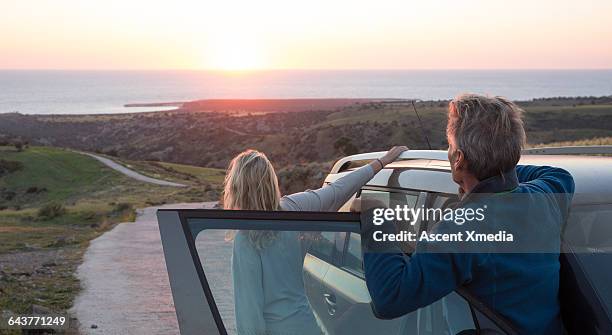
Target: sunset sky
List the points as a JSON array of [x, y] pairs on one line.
[[314, 34]]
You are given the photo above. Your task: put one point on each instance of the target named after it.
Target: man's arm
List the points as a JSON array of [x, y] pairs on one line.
[[547, 178], [399, 284], [331, 196], [552, 180]]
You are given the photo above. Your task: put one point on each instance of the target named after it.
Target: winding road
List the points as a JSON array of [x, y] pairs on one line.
[[131, 173], [125, 288]]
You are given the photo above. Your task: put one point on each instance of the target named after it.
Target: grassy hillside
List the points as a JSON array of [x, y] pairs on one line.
[[54, 201], [197, 136], [53, 175], [304, 138]]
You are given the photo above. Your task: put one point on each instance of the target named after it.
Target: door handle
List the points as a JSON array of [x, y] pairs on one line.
[[330, 300]]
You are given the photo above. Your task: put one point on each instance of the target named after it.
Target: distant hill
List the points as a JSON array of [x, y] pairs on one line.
[[271, 105], [314, 133]]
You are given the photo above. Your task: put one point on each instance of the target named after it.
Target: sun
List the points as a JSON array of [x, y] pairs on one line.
[[236, 53]]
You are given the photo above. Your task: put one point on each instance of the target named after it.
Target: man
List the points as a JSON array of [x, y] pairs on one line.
[[485, 136]]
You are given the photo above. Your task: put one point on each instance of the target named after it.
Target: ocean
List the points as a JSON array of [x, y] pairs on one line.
[[94, 92]]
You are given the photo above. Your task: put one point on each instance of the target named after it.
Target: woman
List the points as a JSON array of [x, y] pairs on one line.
[[269, 294]]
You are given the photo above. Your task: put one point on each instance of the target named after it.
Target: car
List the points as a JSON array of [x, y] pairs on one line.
[[333, 271]]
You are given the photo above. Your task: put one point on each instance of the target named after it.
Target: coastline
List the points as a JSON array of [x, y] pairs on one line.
[[61, 92], [284, 105]]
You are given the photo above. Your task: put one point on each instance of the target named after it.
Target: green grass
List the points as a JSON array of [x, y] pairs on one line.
[[385, 114], [180, 173], [95, 198], [582, 109], [65, 176], [591, 141], [202, 174]]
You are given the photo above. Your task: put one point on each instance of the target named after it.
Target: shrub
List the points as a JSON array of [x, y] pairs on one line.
[[51, 211], [7, 166], [8, 195], [122, 207], [112, 153], [345, 146], [35, 189]]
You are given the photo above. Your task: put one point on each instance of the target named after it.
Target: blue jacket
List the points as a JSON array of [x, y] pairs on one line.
[[521, 287]]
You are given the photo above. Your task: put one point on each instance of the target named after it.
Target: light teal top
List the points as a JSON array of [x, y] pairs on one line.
[[269, 293]]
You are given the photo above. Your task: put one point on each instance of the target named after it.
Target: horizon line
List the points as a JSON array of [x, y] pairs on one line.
[[303, 69]]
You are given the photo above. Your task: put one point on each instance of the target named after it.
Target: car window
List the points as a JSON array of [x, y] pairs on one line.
[[269, 267], [352, 258], [589, 226], [323, 245], [390, 198], [232, 271], [449, 315], [264, 265], [426, 180], [438, 200], [386, 197], [262, 272]]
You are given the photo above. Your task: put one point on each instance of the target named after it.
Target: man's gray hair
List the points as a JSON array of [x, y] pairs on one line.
[[489, 131]]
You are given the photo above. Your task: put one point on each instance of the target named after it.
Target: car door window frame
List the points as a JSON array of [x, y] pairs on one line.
[[194, 306], [177, 220], [342, 264], [478, 307]]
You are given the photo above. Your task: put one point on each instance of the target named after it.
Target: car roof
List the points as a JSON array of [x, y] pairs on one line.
[[592, 174]]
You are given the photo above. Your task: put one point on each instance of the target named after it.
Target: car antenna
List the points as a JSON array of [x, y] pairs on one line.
[[421, 125]]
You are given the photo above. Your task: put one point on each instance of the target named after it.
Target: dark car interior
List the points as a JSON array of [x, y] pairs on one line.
[[585, 292]]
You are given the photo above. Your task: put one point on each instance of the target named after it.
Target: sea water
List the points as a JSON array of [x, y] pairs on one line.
[[87, 92]]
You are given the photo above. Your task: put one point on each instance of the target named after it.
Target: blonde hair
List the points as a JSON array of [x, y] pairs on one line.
[[251, 184]]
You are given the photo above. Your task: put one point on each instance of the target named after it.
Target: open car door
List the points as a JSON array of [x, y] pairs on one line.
[[198, 251], [199, 245]]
